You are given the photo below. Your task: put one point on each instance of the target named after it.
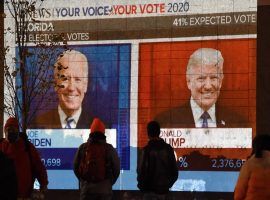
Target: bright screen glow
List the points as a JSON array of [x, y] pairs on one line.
[[137, 56]]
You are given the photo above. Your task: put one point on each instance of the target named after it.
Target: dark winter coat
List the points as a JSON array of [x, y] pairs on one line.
[[157, 169], [27, 168], [8, 179], [113, 168]]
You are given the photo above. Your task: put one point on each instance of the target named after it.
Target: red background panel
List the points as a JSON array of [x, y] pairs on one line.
[[162, 80]]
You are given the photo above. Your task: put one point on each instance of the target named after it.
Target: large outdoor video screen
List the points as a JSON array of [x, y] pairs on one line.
[[190, 65]]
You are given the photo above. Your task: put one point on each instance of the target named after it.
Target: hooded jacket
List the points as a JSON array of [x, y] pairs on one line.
[[113, 163], [26, 168]]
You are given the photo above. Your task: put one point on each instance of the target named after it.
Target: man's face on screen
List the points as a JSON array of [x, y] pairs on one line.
[[205, 82], [72, 84]]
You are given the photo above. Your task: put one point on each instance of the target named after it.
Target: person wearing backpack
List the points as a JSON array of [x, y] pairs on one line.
[[27, 162], [157, 168], [96, 165]]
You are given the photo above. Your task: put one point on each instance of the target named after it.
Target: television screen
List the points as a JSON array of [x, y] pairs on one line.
[[190, 65]]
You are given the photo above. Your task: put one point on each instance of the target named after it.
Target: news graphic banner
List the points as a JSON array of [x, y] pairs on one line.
[[208, 138], [58, 146], [212, 138], [122, 20], [138, 53]]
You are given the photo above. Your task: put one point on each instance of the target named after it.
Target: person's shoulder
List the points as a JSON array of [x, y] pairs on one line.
[[48, 113], [176, 117], [228, 117], [251, 164], [109, 147], [83, 145], [85, 119], [166, 145], [169, 112], [3, 142], [32, 146], [258, 162], [47, 119], [111, 152]]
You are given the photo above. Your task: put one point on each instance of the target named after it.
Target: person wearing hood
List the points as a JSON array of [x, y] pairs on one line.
[[96, 165], [27, 161]]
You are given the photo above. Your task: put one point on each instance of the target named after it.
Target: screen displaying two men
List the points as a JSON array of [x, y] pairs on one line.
[[201, 92]]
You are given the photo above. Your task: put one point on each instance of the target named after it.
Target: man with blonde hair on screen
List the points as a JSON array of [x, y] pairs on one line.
[[204, 77]]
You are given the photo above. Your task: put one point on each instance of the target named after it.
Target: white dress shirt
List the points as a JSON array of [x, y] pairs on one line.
[[197, 112], [63, 118]]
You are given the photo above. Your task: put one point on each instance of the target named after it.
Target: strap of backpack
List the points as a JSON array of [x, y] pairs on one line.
[[82, 156], [107, 162]]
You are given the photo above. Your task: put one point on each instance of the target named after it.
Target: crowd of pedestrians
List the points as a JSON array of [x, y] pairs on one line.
[[97, 167]]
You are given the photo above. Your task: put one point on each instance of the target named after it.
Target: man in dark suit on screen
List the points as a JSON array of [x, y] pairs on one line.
[[204, 77], [71, 79]]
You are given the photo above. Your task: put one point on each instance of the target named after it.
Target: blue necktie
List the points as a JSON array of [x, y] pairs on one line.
[[205, 116], [69, 120]]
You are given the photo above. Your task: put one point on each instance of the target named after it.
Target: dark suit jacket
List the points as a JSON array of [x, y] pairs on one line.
[[51, 120], [182, 117]]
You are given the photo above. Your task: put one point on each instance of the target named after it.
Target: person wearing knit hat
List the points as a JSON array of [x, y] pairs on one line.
[[96, 183], [97, 131], [97, 126], [26, 159], [12, 121], [11, 129]]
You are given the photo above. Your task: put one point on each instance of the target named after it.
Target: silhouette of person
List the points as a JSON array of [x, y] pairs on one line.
[[28, 164], [100, 189], [254, 177], [157, 169]]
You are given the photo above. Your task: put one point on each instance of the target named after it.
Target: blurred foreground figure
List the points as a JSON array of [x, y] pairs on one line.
[[28, 165], [254, 178]]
